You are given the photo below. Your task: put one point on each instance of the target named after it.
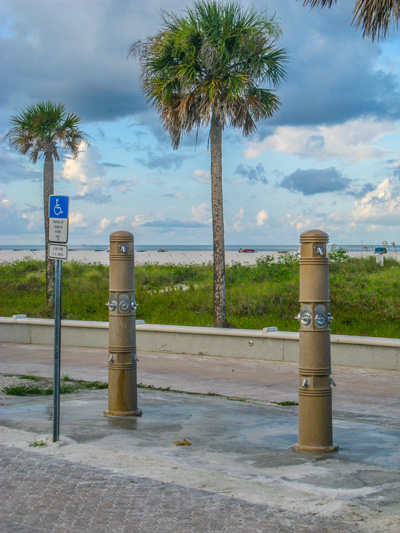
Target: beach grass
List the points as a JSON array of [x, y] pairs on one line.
[[365, 297]]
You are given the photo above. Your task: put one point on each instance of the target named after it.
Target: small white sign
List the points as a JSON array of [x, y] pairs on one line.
[[58, 251], [58, 230]]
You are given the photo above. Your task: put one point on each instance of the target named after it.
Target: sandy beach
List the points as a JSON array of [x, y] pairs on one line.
[[162, 258]]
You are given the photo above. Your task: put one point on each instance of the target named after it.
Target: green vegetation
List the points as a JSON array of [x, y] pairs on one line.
[[168, 389], [30, 390], [37, 443], [22, 390], [287, 403], [365, 297], [44, 388]]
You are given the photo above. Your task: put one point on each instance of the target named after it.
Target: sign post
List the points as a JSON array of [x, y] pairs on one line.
[[58, 236]]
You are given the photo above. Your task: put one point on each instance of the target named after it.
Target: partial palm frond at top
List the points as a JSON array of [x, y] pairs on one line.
[[373, 16]]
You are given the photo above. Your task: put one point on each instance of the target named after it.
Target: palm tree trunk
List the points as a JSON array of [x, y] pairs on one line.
[[218, 224], [48, 189]]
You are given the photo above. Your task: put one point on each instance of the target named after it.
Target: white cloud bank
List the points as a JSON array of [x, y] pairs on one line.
[[353, 141], [380, 206], [87, 172], [201, 213]]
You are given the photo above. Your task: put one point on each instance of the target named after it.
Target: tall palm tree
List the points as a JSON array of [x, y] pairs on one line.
[[374, 16], [206, 68], [37, 132]]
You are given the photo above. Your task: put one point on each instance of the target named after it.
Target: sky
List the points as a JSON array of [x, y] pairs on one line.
[[328, 159]]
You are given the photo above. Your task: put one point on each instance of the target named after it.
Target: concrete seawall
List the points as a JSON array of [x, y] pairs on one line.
[[267, 344]]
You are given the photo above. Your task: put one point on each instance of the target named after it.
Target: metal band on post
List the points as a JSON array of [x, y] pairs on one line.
[[315, 393], [122, 361]]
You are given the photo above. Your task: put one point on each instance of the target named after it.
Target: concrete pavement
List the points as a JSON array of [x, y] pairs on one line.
[[367, 392], [239, 474]]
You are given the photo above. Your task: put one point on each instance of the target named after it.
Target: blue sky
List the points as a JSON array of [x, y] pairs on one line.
[[329, 159]]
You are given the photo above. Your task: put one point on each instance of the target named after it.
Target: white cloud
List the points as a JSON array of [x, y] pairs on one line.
[[139, 220], [86, 165], [121, 219], [302, 223], [87, 172], [353, 141], [372, 228], [380, 206], [203, 176], [104, 223], [5, 203], [201, 213], [238, 225], [76, 220], [337, 216], [262, 217], [11, 219], [124, 185], [32, 221]]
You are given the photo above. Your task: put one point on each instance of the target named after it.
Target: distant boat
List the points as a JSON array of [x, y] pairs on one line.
[[160, 250], [247, 251]]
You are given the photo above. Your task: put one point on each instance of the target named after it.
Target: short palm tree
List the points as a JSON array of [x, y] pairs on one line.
[[37, 132], [207, 68], [374, 16]]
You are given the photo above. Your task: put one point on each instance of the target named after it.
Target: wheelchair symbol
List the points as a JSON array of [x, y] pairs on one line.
[[57, 209]]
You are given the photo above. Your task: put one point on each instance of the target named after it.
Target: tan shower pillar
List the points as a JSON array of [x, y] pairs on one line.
[[315, 392], [122, 360]]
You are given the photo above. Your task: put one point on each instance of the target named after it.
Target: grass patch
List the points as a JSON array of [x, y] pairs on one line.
[[286, 404], [46, 389], [168, 389], [91, 385], [22, 390], [212, 394], [365, 297], [152, 387], [37, 443], [34, 390]]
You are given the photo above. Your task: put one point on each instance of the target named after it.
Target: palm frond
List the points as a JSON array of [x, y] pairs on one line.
[[40, 128], [208, 62], [319, 3], [373, 16]]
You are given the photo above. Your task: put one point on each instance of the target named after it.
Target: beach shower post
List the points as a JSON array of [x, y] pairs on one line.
[[122, 360], [315, 392]]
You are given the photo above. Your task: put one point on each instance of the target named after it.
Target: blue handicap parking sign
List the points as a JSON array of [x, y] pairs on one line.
[[58, 206]]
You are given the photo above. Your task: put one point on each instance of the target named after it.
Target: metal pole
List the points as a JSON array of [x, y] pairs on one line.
[[122, 373], [315, 393], [57, 350]]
